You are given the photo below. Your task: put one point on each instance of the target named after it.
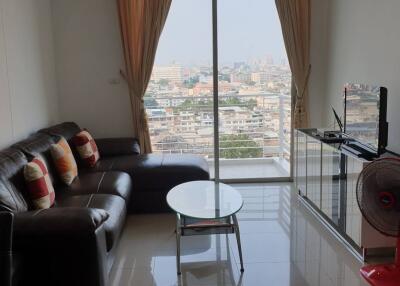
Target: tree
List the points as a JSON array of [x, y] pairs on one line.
[[251, 103], [198, 105], [224, 77], [231, 101], [150, 103], [191, 82], [163, 82], [239, 146]]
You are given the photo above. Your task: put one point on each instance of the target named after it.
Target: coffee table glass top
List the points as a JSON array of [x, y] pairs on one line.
[[204, 200]]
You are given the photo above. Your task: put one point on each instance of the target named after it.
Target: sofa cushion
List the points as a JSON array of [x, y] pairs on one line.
[[192, 167], [113, 205], [40, 187], [120, 163], [86, 147], [112, 183], [153, 176], [64, 161], [122, 146]]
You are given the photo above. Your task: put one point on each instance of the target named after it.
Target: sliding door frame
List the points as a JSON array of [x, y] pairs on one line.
[[215, 88]]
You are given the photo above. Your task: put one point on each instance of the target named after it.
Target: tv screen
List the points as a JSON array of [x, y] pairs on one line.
[[365, 115]]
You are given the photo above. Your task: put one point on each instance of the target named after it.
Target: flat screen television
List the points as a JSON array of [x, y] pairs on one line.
[[365, 116]]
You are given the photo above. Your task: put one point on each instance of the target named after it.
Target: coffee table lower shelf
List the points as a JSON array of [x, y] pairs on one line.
[[186, 226]]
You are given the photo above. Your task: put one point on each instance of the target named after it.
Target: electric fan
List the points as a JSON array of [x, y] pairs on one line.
[[378, 196]]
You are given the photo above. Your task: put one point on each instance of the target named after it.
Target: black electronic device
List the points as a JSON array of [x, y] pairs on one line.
[[335, 136], [358, 149], [365, 117], [339, 122], [332, 134], [333, 140]]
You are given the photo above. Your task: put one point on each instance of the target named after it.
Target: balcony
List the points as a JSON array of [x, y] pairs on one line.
[[254, 132], [260, 168]]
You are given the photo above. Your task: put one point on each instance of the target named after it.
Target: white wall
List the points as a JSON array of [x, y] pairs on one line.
[[362, 45], [28, 98], [89, 56], [317, 86], [351, 41]]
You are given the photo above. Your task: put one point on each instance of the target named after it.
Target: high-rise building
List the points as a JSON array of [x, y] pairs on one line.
[[240, 77], [239, 65], [259, 77], [269, 59], [172, 73]]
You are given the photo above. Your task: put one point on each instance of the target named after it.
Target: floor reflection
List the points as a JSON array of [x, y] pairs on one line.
[[283, 245], [221, 269], [211, 265]]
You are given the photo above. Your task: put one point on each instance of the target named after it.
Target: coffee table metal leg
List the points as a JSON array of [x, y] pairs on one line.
[[178, 244], [237, 232]]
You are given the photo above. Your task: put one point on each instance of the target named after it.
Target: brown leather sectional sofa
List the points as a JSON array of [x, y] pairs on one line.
[[74, 242], [6, 223]]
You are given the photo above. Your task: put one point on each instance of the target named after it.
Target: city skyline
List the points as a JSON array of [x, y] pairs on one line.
[[266, 59], [254, 108]]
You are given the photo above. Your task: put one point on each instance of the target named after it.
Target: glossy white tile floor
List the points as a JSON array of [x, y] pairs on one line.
[[282, 245]]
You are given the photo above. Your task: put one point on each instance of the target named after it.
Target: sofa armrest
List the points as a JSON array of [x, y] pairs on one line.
[[118, 146], [63, 223], [69, 242], [6, 234]]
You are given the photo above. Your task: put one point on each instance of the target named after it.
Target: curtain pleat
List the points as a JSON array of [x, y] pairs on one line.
[[295, 18], [141, 24]]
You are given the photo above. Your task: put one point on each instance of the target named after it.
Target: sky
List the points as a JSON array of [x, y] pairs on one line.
[[247, 29]]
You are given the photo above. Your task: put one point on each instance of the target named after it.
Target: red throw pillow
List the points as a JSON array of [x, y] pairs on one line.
[[86, 147], [40, 187]]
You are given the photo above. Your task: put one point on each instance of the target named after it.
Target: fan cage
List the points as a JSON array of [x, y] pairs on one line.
[[380, 220]]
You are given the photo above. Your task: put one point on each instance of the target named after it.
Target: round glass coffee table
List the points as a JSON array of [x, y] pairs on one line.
[[205, 207]]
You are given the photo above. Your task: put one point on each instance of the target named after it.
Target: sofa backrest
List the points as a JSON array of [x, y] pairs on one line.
[[12, 184], [65, 129], [13, 195]]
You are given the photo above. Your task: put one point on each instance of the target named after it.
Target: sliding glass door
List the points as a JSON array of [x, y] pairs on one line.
[[254, 91], [249, 97]]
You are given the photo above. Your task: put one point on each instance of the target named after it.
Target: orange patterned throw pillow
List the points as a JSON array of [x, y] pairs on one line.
[[64, 161], [40, 188], [86, 147]]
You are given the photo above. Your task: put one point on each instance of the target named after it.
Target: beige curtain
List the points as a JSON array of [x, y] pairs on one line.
[[141, 24], [295, 20]]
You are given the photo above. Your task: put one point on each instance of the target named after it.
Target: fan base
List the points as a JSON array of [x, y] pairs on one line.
[[382, 275]]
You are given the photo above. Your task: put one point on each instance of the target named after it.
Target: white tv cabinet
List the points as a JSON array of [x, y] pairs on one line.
[[326, 178]]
